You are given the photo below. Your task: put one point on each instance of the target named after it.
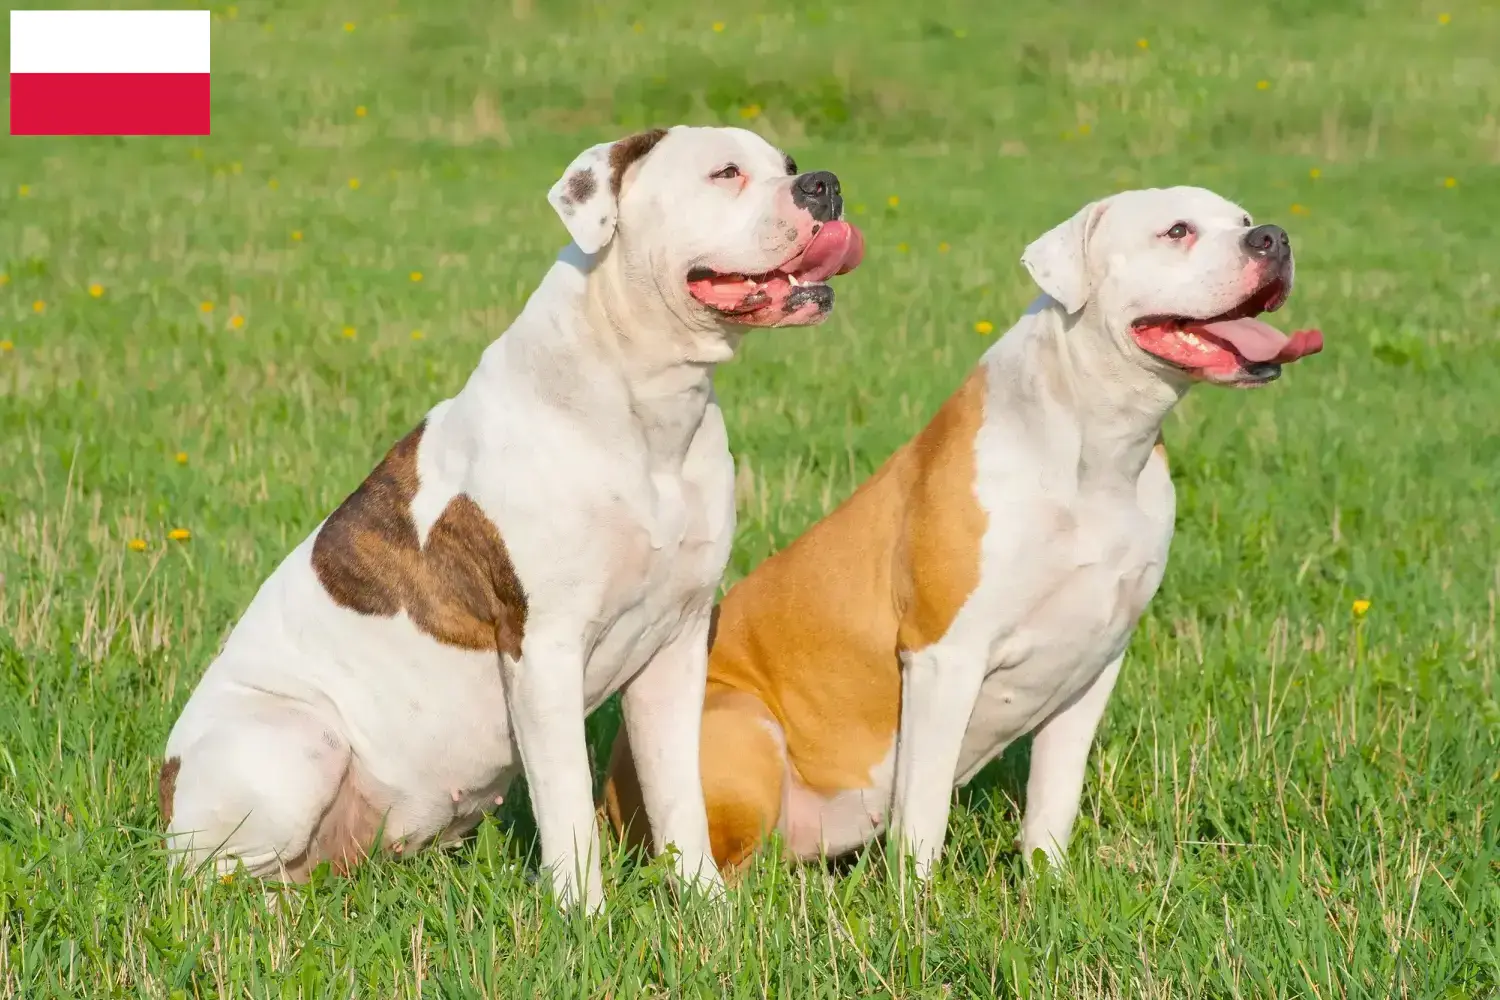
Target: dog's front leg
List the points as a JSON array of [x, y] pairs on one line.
[[939, 688], [1059, 760], [663, 707], [544, 692]]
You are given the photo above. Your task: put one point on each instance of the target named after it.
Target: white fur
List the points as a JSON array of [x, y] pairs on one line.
[[590, 436]]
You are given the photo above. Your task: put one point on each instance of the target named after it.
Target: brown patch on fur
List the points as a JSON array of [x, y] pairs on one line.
[[812, 638], [460, 588], [166, 788], [582, 185], [1161, 449], [627, 151]]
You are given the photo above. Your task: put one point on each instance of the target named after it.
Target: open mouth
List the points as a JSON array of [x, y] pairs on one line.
[[792, 294], [1235, 347]]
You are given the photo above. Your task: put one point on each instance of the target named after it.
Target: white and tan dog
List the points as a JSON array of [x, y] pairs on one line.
[[552, 534], [984, 583]]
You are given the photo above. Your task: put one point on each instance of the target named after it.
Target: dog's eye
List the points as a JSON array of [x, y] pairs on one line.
[[1180, 231], [728, 173], [791, 167]]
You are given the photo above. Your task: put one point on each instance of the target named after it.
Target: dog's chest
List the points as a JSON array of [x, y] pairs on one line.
[[1064, 617], [668, 556]]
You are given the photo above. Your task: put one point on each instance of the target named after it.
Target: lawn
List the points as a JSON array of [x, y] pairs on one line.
[[205, 344]]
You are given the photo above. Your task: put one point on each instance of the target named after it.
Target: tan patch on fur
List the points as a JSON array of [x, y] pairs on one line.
[[743, 769], [627, 151], [460, 587], [166, 788], [944, 522], [815, 631], [1161, 449]]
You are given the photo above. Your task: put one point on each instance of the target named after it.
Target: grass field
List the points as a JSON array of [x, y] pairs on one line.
[[217, 338]]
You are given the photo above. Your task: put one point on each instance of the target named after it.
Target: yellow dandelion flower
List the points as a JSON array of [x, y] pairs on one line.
[[1085, 128], [1299, 209], [205, 307], [136, 545], [179, 534], [236, 321], [350, 333], [348, 25], [638, 27], [416, 276], [902, 247], [943, 247], [1450, 182], [1262, 84], [1141, 43], [236, 167], [273, 184], [7, 345], [718, 25], [360, 111], [893, 200], [180, 458], [197, 153], [1444, 18], [750, 112], [1359, 607], [231, 12], [24, 190], [39, 306], [96, 290], [1315, 173], [417, 335], [4, 279], [296, 236], [354, 184], [984, 328]]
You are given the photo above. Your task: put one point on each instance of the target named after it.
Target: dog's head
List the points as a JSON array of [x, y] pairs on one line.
[[1180, 275], [719, 220]]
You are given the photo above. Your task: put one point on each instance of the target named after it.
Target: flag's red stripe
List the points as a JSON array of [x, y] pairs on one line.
[[109, 104]]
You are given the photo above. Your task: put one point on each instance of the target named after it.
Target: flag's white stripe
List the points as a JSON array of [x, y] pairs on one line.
[[109, 41]]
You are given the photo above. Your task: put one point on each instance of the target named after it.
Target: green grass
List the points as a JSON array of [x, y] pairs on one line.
[[1286, 800]]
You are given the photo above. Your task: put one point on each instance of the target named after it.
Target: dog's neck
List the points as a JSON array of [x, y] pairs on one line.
[[617, 350], [1098, 397]]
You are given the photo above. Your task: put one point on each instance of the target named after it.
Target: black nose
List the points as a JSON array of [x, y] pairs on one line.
[[1268, 241], [820, 194]]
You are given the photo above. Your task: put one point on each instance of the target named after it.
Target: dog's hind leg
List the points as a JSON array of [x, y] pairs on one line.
[[267, 786], [744, 765]]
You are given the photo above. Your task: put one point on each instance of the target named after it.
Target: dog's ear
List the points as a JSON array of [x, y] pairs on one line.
[[1058, 259], [587, 195]]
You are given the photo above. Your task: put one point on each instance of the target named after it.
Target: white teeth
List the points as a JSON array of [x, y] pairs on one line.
[[793, 279], [1191, 338]]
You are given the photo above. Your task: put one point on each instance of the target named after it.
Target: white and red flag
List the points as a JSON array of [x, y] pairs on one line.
[[109, 72]]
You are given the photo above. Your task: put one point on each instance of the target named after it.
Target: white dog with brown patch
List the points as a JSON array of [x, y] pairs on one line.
[[552, 534], [984, 583]]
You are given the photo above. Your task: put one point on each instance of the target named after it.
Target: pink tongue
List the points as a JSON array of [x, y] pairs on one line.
[[837, 249], [1257, 341]]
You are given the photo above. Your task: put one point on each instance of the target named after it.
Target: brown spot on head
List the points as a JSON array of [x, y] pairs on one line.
[[166, 788], [627, 151], [460, 587], [581, 185]]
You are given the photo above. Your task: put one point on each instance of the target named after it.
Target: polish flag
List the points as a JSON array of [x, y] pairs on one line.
[[109, 72]]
